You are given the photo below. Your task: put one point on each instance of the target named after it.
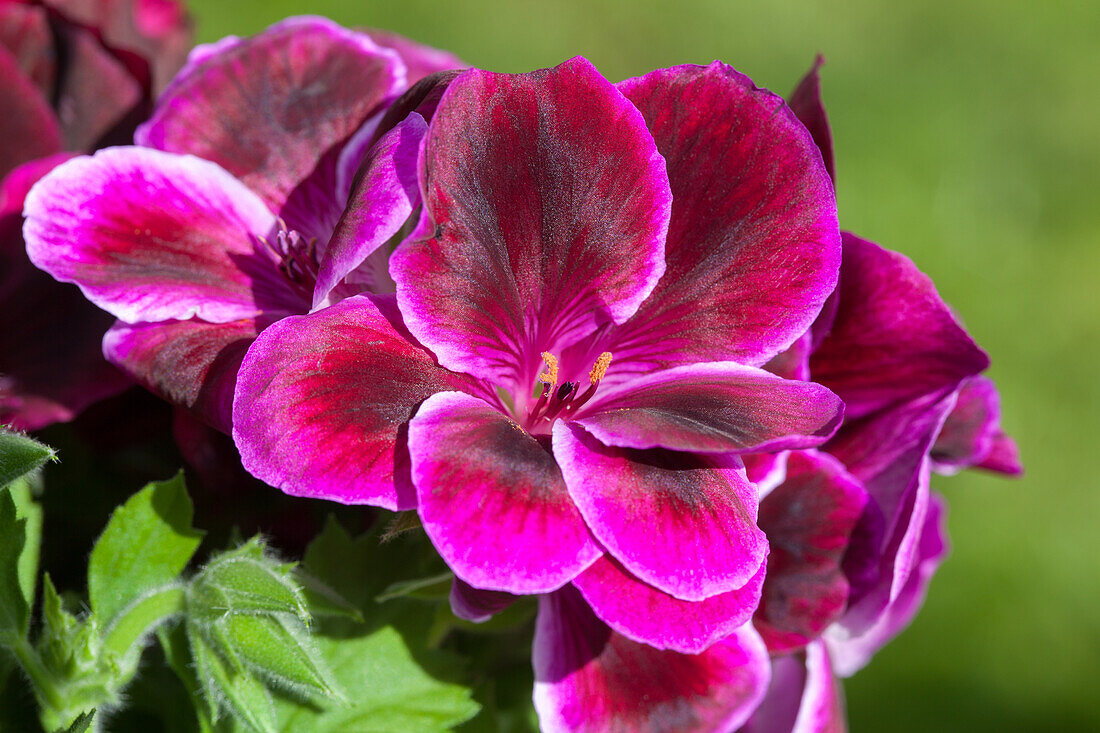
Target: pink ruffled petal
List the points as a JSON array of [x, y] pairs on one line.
[[718, 407], [151, 236], [807, 106], [808, 520], [804, 696], [754, 246], [590, 679], [683, 522], [382, 199], [972, 430], [192, 364], [1003, 457], [492, 499], [640, 612], [893, 338], [323, 402], [852, 652], [268, 108], [548, 205]]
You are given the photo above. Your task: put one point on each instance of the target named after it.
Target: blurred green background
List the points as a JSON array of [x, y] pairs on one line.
[[967, 137]]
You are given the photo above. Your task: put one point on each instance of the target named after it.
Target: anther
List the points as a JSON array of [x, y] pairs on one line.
[[550, 376]]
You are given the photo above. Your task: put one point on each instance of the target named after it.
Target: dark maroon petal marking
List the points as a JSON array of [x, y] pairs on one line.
[[547, 205], [492, 499], [893, 339], [718, 407], [640, 612], [323, 402], [808, 520], [269, 108], [810, 110], [702, 506], [192, 364], [588, 679], [753, 247]]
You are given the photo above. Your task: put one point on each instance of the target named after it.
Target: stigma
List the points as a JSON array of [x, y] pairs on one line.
[[562, 401]]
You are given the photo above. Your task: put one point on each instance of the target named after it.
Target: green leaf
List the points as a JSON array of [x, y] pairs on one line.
[[433, 588], [227, 688], [28, 510], [177, 652], [387, 687], [278, 649], [125, 637], [19, 455], [147, 543], [246, 581], [13, 600]]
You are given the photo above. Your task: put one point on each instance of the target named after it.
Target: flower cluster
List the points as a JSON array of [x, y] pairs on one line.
[[607, 340]]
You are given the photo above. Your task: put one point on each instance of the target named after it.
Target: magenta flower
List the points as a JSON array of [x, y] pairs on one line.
[[73, 77], [227, 218], [562, 385]]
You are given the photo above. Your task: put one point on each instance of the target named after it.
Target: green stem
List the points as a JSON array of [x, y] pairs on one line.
[[44, 682]]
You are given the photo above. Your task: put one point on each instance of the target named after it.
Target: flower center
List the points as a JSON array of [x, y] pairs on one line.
[[297, 257], [562, 401]]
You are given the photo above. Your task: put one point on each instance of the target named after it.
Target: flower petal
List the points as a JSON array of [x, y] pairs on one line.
[[804, 696], [476, 605], [718, 407], [25, 34], [192, 364], [96, 94], [492, 499], [640, 612], [969, 431], [888, 453], [28, 127], [810, 110], [268, 108], [808, 520], [51, 361], [753, 246], [323, 402], [851, 653], [382, 199], [682, 522], [893, 339], [420, 60], [1003, 457], [152, 236], [588, 678], [548, 204]]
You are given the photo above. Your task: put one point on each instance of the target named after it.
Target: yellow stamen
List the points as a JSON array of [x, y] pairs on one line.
[[600, 369], [550, 376]]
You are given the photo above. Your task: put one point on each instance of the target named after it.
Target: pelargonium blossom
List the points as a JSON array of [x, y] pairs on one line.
[[570, 367], [239, 205], [73, 77]]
